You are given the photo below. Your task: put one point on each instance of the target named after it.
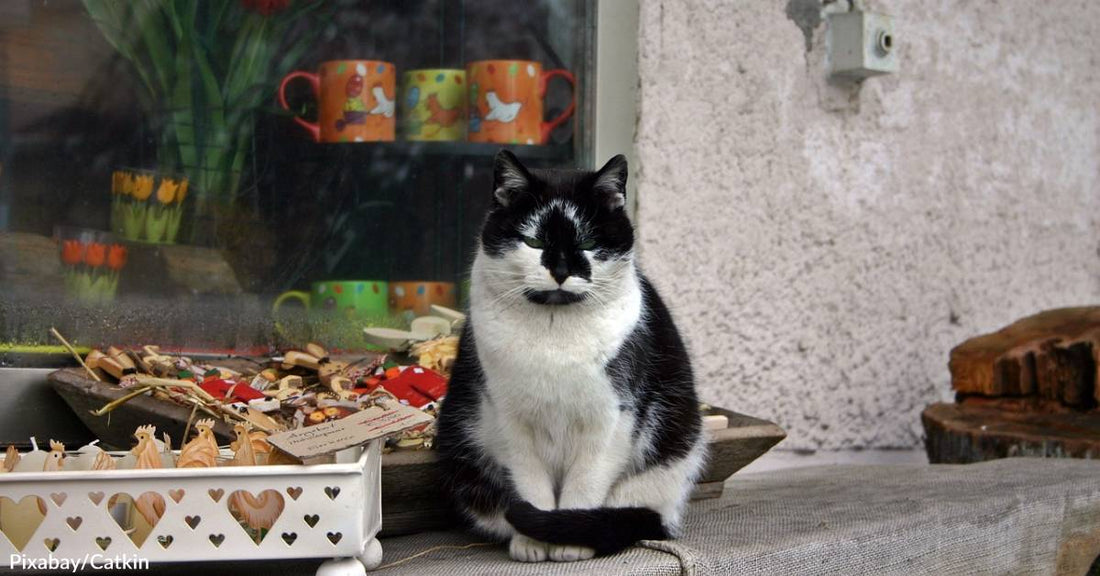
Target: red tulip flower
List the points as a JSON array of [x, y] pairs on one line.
[[116, 258], [72, 252], [265, 7], [96, 255]]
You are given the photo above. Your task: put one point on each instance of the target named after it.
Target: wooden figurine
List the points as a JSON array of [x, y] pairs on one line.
[[97, 359], [315, 358], [146, 449], [260, 447], [202, 450], [11, 458], [150, 505], [167, 458], [122, 359], [55, 460], [288, 386], [103, 461], [243, 453], [340, 386]]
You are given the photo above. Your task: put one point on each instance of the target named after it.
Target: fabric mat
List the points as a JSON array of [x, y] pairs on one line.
[[1016, 516]]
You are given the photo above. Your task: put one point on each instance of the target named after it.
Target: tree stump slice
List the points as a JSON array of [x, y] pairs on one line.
[[976, 432], [1053, 355]]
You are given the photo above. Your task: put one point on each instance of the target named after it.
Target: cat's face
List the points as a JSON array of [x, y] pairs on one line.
[[557, 237]]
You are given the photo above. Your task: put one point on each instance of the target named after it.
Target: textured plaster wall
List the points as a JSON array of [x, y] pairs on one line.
[[824, 249]]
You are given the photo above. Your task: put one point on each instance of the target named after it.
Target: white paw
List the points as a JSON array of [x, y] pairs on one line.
[[570, 553], [524, 549]]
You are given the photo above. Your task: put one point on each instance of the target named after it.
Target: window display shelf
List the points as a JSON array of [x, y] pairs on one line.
[[338, 152]]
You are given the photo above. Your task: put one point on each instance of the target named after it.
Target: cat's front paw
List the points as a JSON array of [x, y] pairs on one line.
[[570, 553], [524, 549]]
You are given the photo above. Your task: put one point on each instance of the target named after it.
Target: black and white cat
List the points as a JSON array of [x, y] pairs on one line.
[[571, 424]]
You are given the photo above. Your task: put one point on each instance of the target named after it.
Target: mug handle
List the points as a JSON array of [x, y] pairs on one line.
[[313, 127], [549, 126], [303, 297]]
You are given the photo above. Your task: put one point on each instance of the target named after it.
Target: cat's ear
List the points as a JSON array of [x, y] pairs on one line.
[[610, 183], [510, 178]]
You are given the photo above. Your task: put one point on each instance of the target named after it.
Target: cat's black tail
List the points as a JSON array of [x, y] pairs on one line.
[[607, 530]]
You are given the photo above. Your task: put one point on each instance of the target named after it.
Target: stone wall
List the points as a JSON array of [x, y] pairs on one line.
[[823, 248]]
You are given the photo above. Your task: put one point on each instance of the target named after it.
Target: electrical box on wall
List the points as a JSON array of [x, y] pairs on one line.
[[860, 45]]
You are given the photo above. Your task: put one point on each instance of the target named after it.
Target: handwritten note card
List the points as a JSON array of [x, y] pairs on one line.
[[354, 430]]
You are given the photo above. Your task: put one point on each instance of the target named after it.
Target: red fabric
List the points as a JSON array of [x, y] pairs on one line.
[[420, 386], [219, 388]]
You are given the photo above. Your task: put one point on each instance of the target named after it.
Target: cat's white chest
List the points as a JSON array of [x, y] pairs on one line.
[[540, 358]]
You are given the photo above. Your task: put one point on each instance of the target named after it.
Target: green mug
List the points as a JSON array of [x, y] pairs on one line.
[[339, 310]]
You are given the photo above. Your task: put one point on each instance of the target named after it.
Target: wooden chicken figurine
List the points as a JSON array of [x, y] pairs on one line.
[[202, 450], [243, 452], [55, 460], [260, 447], [11, 458], [103, 461], [150, 505]]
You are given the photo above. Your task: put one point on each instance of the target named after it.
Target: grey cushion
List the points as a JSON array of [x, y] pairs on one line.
[[1016, 516]]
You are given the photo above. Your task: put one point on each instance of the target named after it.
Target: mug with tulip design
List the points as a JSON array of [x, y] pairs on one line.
[[92, 261], [147, 206]]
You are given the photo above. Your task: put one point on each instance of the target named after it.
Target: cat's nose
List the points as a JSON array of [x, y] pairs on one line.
[[560, 272]]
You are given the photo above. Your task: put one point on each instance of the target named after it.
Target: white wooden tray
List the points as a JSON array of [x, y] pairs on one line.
[[330, 510]]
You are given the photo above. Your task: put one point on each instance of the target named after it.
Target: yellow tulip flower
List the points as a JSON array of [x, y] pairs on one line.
[[166, 192], [143, 187], [127, 182]]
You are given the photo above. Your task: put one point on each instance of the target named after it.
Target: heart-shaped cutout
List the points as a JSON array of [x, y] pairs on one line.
[[176, 495], [294, 492], [30, 511], [74, 522], [217, 539], [95, 497], [52, 544], [192, 521], [334, 537], [332, 492], [136, 516], [165, 541], [103, 542], [215, 494], [290, 537], [58, 498], [256, 513], [311, 519]]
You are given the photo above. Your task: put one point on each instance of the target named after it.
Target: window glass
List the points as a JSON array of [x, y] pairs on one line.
[[234, 176]]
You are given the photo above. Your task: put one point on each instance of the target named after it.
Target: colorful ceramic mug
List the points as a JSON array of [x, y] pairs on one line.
[[506, 102], [92, 262], [434, 105], [355, 101], [416, 298], [359, 298]]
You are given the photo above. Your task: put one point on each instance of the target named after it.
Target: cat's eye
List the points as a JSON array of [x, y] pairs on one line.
[[587, 245], [533, 242]]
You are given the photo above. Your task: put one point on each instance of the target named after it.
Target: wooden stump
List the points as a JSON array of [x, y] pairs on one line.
[[1053, 355], [975, 432]]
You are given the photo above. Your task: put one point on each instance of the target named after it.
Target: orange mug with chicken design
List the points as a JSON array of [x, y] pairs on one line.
[[355, 101], [506, 102]]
